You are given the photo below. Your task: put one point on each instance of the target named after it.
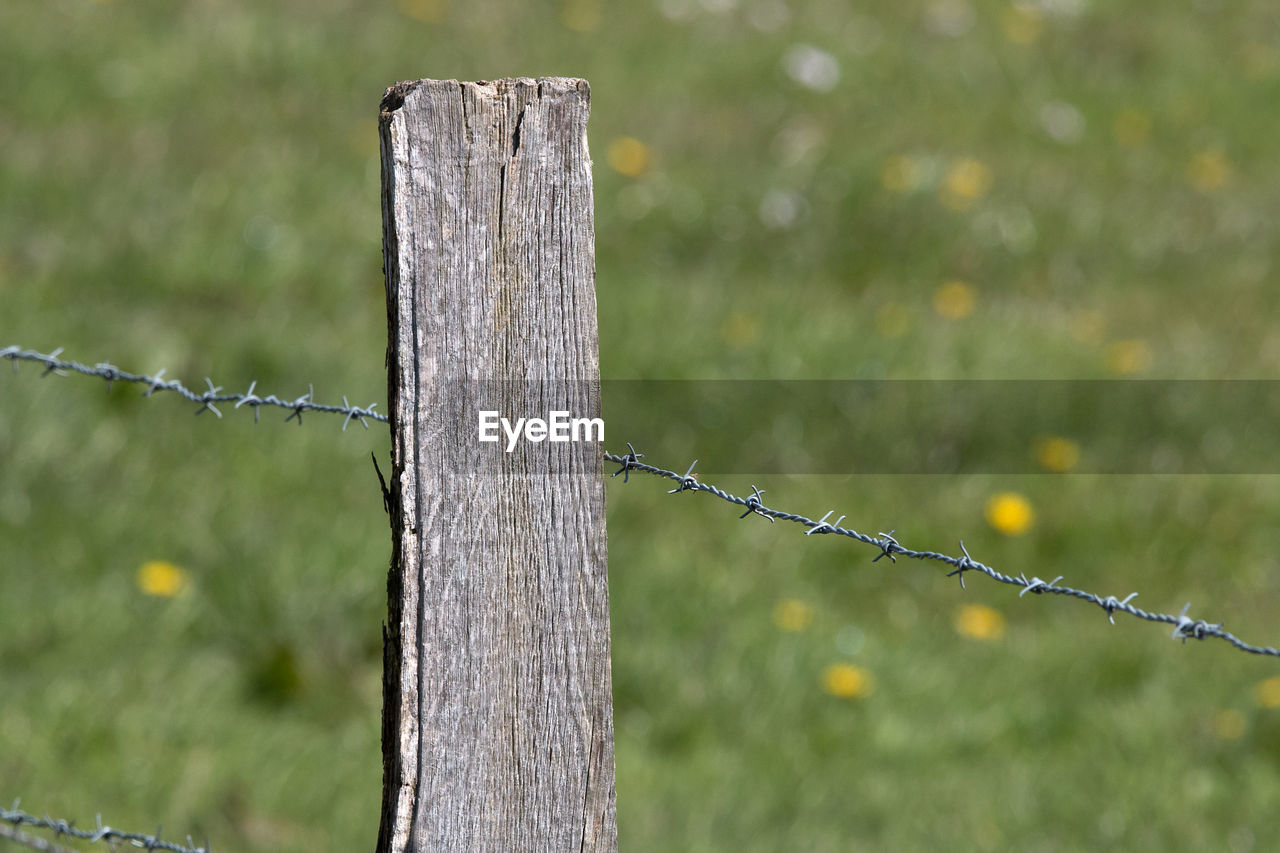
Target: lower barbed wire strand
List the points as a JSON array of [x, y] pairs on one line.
[[100, 833]]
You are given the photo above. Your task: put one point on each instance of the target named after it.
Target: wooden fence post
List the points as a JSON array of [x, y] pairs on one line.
[[498, 712]]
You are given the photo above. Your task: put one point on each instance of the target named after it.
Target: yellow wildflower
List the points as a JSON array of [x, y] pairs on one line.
[[979, 622], [1129, 356], [1057, 454], [1010, 513], [161, 578], [629, 156], [1268, 692], [1208, 171], [966, 181], [847, 681], [954, 300]]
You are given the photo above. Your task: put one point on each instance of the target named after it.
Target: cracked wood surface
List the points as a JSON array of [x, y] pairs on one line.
[[497, 718]]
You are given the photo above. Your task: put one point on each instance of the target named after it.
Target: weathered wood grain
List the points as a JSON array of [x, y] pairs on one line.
[[497, 724]]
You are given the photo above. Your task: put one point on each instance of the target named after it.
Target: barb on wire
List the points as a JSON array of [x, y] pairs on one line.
[[1185, 628], [35, 842], [100, 833], [206, 400]]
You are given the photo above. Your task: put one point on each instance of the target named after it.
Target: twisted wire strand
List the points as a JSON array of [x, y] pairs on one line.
[[100, 833], [35, 842], [207, 400], [1185, 628]]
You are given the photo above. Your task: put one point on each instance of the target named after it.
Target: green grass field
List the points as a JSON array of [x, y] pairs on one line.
[[190, 608]]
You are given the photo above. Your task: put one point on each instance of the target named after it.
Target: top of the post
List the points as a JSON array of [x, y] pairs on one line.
[[395, 96]]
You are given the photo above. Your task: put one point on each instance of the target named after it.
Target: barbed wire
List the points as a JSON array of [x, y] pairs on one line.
[[100, 833], [207, 400], [35, 842], [1185, 628]]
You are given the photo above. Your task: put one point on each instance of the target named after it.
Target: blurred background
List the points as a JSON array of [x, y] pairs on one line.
[[190, 608]]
